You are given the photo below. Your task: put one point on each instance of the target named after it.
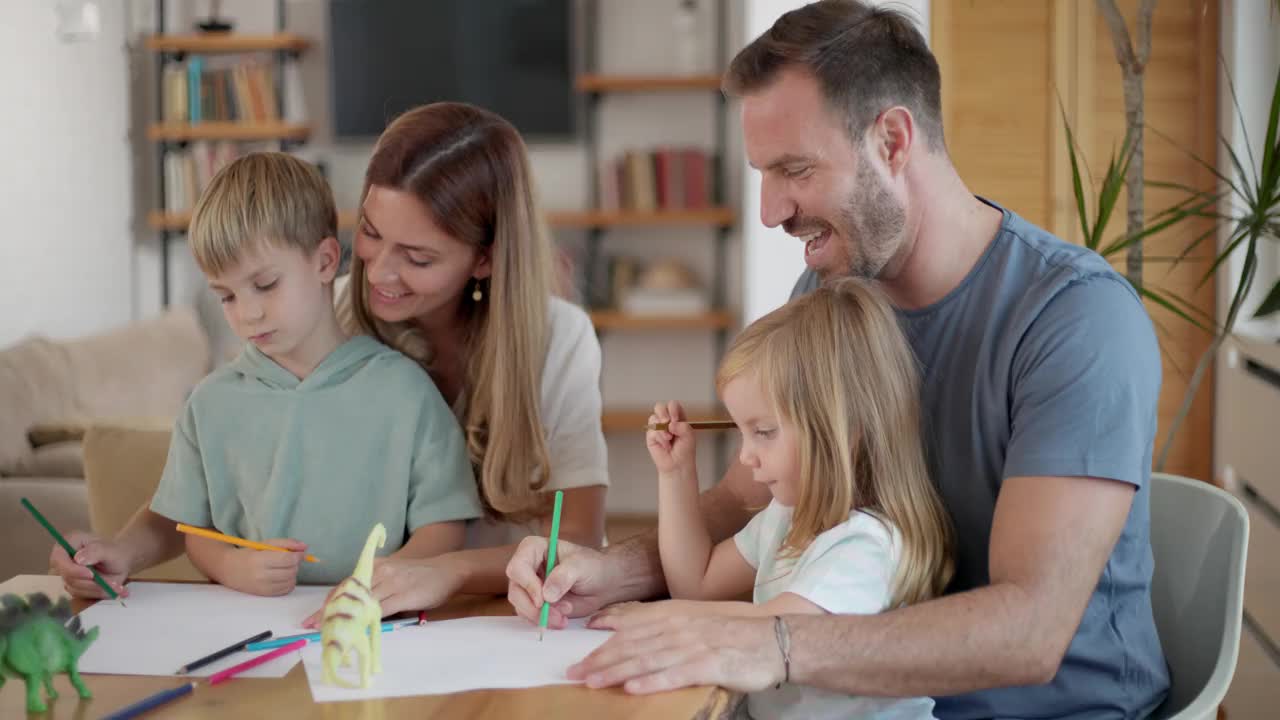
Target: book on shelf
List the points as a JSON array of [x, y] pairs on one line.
[[223, 89], [658, 179]]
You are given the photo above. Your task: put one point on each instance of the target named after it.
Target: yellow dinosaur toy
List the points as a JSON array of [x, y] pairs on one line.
[[353, 619]]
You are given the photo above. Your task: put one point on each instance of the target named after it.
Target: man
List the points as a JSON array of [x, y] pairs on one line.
[[1041, 376]]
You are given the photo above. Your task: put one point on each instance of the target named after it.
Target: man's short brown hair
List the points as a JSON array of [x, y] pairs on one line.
[[866, 59]]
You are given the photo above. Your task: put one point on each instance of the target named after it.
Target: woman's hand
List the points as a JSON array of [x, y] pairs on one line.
[[401, 584], [673, 450]]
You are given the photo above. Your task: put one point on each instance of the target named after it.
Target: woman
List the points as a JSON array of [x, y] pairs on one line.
[[453, 267]]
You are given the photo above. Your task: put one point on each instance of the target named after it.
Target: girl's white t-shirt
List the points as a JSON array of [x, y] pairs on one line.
[[848, 569], [570, 407]]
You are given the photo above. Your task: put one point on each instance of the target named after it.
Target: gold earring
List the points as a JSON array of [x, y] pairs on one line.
[[476, 294]]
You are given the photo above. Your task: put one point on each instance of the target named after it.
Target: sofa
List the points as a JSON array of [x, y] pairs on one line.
[[52, 392]]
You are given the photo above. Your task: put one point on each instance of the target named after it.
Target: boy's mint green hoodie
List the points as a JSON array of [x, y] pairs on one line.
[[365, 438]]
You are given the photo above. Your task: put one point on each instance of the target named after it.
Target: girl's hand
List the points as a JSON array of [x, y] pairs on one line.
[[406, 584], [110, 559], [265, 572], [673, 450]]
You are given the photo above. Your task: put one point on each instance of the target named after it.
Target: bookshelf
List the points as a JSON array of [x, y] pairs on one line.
[[633, 420], [594, 83], [716, 217], [253, 94], [230, 131]]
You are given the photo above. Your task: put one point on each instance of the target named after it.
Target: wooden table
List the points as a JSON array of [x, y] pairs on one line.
[[290, 696]]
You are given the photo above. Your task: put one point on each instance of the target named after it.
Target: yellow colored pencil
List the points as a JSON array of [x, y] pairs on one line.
[[215, 535]]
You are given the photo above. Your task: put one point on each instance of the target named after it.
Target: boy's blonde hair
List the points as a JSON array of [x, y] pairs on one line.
[[262, 197], [470, 170], [835, 365]]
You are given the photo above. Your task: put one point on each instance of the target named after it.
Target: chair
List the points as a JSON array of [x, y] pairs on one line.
[[1199, 537]]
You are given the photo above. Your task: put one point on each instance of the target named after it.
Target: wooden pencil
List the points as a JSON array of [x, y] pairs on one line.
[[698, 425], [215, 535]]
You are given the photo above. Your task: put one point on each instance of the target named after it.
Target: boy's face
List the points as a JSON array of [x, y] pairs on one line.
[[770, 446], [415, 271], [277, 297]]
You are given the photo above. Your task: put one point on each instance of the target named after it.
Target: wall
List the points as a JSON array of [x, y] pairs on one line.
[[65, 183]]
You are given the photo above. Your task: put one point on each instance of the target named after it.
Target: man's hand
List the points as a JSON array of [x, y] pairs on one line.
[[108, 558], [680, 651], [581, 583]]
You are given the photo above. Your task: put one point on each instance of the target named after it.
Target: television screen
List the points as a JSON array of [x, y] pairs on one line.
[[510, 56]]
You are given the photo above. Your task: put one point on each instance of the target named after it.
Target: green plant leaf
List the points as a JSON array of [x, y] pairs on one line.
[[1159, 299], [1271, 303], [1076, 186]]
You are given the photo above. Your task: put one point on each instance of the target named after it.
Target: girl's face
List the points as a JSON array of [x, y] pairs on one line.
[[770, 446], [415, 271]]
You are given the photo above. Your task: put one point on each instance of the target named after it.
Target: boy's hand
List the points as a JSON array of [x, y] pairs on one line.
[[264, 572], [109, 558], [673, 450]]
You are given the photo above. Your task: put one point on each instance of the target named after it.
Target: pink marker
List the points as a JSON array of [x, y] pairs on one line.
[[231, 672]]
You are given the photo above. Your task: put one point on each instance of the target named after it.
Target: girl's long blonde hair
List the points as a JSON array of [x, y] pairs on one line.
[[470, 170], [835, 365]]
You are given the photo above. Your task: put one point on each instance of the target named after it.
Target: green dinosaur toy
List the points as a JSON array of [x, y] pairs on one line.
[[36, 641]]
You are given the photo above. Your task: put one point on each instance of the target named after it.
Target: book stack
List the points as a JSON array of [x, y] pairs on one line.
[[663, 178], [188, 170], [220, 90]]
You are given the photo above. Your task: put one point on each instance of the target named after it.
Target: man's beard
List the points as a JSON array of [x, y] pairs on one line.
[[874, 217]]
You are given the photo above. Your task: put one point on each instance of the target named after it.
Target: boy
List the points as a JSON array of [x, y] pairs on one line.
[[309, 437]]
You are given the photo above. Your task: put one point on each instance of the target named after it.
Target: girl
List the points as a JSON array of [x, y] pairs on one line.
[[824, 393]]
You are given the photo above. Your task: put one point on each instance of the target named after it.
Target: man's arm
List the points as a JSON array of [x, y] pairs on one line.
[[1050, 539]]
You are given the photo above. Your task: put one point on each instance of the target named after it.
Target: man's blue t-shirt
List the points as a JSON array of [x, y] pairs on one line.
[[1043, 362]]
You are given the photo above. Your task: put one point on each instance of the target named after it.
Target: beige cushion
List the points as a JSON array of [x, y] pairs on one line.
[[145, 369], [48, 433], [34, 387], [62, 460], [123, 464]]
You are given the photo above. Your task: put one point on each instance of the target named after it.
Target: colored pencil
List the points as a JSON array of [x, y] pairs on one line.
[[215, 656], [215, 535], [71, 552], [151, 702], [314, 636], [551, 559], [422, 617], [698, 425], [231, 672]]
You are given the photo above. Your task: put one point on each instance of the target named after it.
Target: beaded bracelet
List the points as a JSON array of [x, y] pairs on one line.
[[783, 637]]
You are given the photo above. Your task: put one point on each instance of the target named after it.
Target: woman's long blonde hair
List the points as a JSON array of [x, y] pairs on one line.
[[835, 365], [470, 170]]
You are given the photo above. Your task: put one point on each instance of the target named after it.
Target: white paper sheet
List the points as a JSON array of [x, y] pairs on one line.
[[167, 625], [451, 656]]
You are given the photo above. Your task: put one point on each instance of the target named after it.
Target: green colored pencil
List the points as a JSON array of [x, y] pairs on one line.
[[71, 552], [551, 559]]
